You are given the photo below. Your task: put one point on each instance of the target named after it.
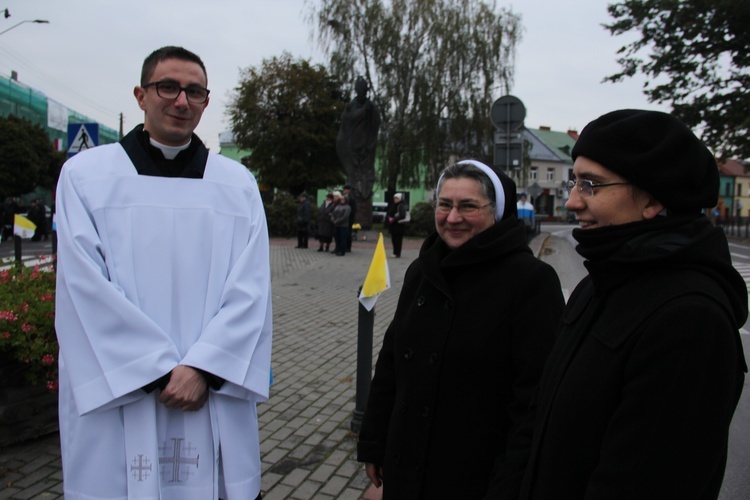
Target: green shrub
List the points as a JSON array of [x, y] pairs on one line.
[[281, 215], [422, 220]]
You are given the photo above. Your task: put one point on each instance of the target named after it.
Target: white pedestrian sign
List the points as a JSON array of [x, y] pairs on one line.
[[82, 136]]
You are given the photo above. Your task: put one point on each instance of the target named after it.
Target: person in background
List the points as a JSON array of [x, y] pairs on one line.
[[163, 306], [396, 223], [325, 224], [10, 209], [340, 219], [461, 359], [336, 199], [525, 211], [38, 216], [304, 215], [639, 392], [347, 192]]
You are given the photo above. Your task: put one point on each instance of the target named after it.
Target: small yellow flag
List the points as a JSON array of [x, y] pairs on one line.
[[378, 277], [23, 227]]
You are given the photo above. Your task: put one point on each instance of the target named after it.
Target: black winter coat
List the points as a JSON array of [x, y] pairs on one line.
[[398, 212], [325, 224], [638, 394], [459, 364]]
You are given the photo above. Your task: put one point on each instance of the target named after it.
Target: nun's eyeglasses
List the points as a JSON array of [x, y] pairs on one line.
[[586, 187], [445, 207]]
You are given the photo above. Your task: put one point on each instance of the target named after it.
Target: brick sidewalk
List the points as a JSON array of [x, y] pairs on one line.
[[307, 449]]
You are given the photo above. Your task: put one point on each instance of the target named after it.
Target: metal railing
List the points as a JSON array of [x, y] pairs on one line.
[[739, 227]]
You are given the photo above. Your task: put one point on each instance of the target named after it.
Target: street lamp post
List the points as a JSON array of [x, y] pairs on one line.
[[38, 21]]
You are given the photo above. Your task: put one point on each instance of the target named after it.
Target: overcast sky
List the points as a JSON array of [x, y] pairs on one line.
[[89, 56]]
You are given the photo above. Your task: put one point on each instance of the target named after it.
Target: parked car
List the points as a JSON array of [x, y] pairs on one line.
[[379, 211]]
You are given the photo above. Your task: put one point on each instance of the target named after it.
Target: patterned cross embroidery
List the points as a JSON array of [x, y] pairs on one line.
[[171, 465], [140, 467]]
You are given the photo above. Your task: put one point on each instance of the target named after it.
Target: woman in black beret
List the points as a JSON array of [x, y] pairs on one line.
[[637, 396]]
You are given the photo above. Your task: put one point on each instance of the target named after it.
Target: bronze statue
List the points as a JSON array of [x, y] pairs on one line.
[[357, 140]]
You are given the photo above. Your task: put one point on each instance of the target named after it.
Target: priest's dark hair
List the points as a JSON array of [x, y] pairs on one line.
[[168, 52]]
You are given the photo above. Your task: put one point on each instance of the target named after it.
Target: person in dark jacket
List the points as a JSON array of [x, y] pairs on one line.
[[38, 216], [304, 214], [462, 356], [340, 219], [397, 223], [10, 209], [325, 224], [636, 399]]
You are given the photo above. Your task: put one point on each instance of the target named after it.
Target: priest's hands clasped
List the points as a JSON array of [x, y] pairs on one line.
[[187, 390]]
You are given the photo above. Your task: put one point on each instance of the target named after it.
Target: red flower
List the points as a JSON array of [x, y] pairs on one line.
[[8, 315]]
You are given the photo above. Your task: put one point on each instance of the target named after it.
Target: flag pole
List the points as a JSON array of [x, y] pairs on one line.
[[378, 279], [365, 322], [17, 249]]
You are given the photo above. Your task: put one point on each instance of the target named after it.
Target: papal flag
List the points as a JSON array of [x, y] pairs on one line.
[[378, 277], [23, 227]]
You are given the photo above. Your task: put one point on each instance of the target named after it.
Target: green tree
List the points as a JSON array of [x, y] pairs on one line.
[[50, 173], [434, 67], [696, 55], [26, 156], [286, 113]]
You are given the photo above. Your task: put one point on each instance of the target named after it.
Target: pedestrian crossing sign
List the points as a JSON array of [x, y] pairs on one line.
[[82, 136]]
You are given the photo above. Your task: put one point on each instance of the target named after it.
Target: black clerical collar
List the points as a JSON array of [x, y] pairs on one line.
[[149, 160]]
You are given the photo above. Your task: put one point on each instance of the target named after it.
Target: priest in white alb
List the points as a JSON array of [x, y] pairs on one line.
[[163, 306]]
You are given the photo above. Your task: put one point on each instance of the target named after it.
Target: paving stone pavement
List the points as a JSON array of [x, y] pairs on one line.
[[307, 448]]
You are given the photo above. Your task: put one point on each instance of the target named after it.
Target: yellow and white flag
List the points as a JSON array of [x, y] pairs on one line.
[[23, 227], [378, 277]]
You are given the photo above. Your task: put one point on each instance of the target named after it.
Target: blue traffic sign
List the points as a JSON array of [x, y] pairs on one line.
[[82, 136]]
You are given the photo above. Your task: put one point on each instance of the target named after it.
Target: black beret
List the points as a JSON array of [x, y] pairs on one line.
[[656, 152]]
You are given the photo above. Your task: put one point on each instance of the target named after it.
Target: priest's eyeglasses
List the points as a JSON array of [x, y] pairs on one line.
[[167, 89], [586, 187], [465, 209]]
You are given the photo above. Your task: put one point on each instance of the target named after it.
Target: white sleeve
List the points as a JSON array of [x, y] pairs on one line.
[[236, 343]]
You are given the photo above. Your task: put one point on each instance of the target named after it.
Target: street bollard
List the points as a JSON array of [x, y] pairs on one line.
[[365, 322]]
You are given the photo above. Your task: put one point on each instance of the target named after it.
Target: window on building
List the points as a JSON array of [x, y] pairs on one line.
[[533, 173], [739, 189], [727, 189], [550, 174]]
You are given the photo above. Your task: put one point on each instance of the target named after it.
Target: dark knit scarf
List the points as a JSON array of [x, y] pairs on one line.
[[614, 253], [631, 240]]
